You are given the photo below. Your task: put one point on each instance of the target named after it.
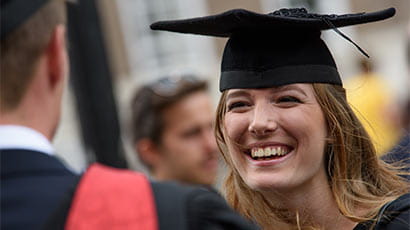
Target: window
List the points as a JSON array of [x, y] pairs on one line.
[[155, 53]]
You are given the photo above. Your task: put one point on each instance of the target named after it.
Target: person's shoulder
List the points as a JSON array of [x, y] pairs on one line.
[[196, 207], [209, 210], [172, 192], [395, 215]]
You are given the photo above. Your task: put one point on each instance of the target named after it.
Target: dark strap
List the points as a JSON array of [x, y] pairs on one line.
[[334, 28]]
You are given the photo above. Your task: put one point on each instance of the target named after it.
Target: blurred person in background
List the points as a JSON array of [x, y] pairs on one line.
[[173, 130], [374, 104], [400, 154]]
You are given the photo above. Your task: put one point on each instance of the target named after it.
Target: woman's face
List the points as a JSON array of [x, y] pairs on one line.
[[281, 134]]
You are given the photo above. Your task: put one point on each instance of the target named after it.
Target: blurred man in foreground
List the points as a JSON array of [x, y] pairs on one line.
[[34, 71]]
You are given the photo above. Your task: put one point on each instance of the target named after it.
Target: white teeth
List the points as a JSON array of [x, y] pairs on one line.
[[260, 153], [269, 151]]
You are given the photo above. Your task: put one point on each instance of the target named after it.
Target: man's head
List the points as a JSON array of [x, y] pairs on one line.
[[173, 130], [34, 63]]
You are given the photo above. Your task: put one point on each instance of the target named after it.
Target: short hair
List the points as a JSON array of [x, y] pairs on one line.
[[21, 49], [150, 101]]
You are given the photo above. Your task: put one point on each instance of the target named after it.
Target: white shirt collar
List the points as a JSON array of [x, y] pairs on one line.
[[21, 137]]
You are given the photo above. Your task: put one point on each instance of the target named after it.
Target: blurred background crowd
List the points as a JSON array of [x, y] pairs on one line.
[[113, 52]]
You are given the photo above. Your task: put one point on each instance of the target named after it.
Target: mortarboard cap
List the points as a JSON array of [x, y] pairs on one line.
[[15, 12], [279, 48]]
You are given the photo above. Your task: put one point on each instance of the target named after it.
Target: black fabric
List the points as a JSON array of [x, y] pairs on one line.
[[92, 83], [268, 50], [227, 23], [194, 208], [15, 12], [261, 59], [178, 207], [209, 211], [400, 155], [285, 75], [170, 202], [59, 216], [393, 216], [32, 187]]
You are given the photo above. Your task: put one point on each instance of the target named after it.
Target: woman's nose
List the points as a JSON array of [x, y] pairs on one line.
[[264, 120]]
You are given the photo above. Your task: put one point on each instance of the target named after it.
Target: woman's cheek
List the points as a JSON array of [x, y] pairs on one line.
[[234, 125]]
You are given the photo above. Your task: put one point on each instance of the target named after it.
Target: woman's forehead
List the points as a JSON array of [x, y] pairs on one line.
[[303, 88]]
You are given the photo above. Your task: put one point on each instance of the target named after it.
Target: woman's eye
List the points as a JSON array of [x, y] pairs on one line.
[[288, 99], [236, 105]]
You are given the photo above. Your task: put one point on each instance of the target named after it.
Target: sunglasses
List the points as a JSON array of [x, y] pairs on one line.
[[171, 86]]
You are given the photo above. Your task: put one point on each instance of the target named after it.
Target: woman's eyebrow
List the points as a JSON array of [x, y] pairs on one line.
[[290, 87], [237, 93]]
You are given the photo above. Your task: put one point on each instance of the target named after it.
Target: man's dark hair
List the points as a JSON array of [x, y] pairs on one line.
[[150, 101]]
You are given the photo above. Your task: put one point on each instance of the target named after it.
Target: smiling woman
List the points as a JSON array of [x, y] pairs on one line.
[[328, 177], [297, 156]]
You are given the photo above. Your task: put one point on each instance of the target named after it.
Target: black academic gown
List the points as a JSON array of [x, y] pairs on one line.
[[180, 207], [33, 184], [194, 208], [393, 216], [400, 154]]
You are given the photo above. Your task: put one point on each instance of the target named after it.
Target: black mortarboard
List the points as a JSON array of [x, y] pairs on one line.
[[15, 12], [274, 49]]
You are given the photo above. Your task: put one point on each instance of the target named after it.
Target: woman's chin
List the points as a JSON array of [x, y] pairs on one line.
[[266, 184]]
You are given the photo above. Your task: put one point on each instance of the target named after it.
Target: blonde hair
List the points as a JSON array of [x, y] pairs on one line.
[[358, 179], [21, 49]]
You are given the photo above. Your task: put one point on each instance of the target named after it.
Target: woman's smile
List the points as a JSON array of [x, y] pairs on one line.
[[267, 153]]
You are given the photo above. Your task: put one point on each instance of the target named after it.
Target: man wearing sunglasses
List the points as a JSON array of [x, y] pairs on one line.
[[173, 131]]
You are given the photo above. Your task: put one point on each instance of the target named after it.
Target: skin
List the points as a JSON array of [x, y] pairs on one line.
[[187, 152], [40, 107], [291, 118]]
